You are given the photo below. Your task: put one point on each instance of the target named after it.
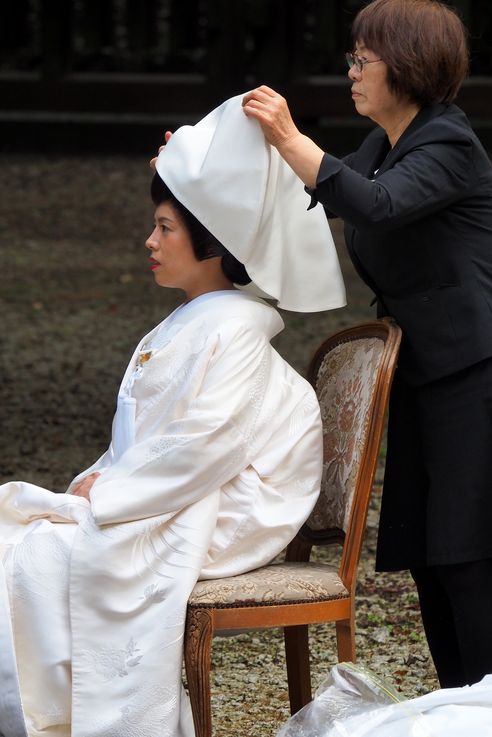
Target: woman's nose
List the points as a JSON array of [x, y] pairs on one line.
[[353, 73], [151, 243]]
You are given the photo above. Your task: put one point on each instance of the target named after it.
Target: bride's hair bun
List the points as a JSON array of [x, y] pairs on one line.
[[234, 270]]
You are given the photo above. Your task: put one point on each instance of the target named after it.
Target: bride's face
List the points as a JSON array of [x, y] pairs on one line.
[[172, 258]]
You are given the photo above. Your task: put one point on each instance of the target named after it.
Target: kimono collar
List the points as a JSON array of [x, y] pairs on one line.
[[245, 194], [216, 307]]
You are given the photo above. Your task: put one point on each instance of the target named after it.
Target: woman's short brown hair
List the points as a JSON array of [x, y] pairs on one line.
[[423, 43]]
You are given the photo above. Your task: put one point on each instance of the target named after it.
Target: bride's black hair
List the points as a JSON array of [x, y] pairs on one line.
[[205, 245]]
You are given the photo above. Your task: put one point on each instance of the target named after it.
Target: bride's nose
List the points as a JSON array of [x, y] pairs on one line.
[[151, 242]]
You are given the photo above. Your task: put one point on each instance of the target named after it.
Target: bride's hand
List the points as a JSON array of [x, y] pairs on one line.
[[167, 136], [85, 485]]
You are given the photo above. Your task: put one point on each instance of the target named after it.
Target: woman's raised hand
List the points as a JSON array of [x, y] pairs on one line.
[[272, 112], [167, 136]]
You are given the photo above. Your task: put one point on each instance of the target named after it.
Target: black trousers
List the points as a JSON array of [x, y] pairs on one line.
[[437, 495], [436, 514], [456, 602]]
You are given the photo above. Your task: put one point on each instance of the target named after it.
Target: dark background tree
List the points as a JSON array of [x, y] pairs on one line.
[[99, 74]]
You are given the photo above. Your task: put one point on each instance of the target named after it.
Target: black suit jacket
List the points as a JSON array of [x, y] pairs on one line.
[[418, 226]]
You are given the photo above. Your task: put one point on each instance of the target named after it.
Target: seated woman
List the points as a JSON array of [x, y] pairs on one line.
[[214, 463]]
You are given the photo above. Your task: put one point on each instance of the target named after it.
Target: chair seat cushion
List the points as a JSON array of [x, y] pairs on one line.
[[279, 583]]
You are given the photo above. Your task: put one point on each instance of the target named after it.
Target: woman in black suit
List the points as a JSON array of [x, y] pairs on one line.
[[416, 199]]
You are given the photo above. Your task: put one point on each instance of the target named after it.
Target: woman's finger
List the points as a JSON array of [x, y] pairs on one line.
[[167, 137], [260, 93]]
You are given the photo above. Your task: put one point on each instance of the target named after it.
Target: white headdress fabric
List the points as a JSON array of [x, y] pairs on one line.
[[239, 187]]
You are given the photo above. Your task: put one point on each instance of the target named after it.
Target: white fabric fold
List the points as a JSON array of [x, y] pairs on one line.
[[11, 714], [246, 195]]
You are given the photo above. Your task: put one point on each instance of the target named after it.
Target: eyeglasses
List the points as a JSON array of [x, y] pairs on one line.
[[359, 62]]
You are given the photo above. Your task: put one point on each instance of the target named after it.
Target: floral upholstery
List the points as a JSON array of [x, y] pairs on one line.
[[279, 583], [345, 387]]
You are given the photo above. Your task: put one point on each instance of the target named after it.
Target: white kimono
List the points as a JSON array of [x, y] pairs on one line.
[[214, 464]]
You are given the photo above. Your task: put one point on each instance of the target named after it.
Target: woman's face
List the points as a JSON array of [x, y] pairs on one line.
[[172, 258], [370, 91]]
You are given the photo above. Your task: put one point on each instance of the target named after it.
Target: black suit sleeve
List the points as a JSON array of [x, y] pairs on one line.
[[313, 192], [426, 179]]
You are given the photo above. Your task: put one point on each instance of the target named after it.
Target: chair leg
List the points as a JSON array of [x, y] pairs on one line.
[[298, 668], [346, 640], [198, 640]]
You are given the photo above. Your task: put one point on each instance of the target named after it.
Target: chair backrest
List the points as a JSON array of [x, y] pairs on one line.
[[352, 373]]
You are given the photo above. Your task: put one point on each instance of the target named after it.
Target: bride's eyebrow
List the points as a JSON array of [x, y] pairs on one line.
[[163, 219]]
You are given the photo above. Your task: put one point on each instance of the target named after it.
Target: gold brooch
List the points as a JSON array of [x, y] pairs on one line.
[[143, 357]]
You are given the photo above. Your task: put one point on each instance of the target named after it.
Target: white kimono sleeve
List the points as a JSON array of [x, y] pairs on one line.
[[195, 455]]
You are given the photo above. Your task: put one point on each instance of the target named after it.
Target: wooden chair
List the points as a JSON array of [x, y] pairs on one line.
[[351, 373]]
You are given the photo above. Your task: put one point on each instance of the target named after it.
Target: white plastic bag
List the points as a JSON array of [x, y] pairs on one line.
[[347, 691], [352, 702]]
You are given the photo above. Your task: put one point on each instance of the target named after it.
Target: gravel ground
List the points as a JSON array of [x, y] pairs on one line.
[[75, 297]]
